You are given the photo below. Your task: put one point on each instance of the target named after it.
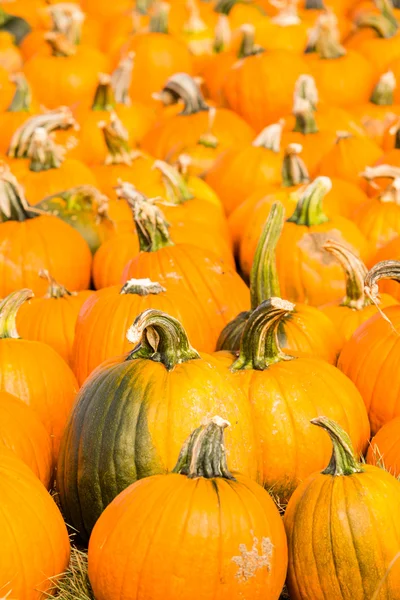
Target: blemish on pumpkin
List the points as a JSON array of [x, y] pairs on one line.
[[251, 561], [312, 244]]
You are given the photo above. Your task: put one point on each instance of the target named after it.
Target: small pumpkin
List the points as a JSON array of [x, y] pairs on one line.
[[22, 432], [384, 448], [239, 521], [163, 383], [342, 508]]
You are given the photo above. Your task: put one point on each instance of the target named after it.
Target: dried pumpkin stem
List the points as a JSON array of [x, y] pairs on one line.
[[21, 101], [270, 137], [294, 170], [306, 88], [386, 269], [383, 93], [305, 116], [104, 96], [208, 139], [121, 79], [67, 19], [259, 347], [151, 225], [176, 188], [161, 338], [142, 287], [183, 87], [13, 204], [55, 289], [343, 460], [355, 272], [8, 312], [327, 37], [117, 141], [384, 24], [248, 47], [309, 210], [314, 5], [195, 23], [381, 171], [60, 44], [222, 34], [59, 118], [159, 18], [82, 198], [44, 153], [204, 454]]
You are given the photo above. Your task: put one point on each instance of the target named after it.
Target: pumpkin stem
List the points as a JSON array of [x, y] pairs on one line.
[[222, 34], [83, 197], [383, 93], [384, 24], [21, 101], [204, 454], [306, 89], [13, 204], [381, 171], [386, 269], [294, 170], [60, 44], [309, 210], [248, 47], [142, 287], [305, 116], [182, 87], [116, 138], [208, 139], [355, 272], [121, 79], [314, 5], [270, 137], [8, 312], [287, 14], [142, 6], [259, 346], [151, 225], [225, 6], [325, 37], [161, 338], [159, 18], [195, 23], [176, 188], [104, 96], [343, 460], [67, 20], [52, 120], [55, 289], [44, 153]]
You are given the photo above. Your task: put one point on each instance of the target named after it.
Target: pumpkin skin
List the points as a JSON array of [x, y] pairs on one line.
[[22, 432], [284, 395], [107, 315], [342, 508], [390, 251], [145, 398], [240, 520], [384, 448], [29, 519]]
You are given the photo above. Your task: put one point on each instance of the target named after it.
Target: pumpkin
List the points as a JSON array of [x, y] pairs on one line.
[[285, 392], [85, 209], [384, 448], [341, 509], [117, 308], [305, 329], [175, 132], [209, 281], [7, 90], [284, 31], [22, 432], [30, 241], [390, 251], [10, 56], [16, 24], [17, 113], [163, 381], [34, 372], [239, 521], [239, 168], [370, 355], [343, 78], [52, 319], [356, 307], [34, 546], [306, 271]]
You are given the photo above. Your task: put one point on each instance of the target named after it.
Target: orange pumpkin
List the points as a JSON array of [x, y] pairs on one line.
[[7, 90], [34, 372], [10, 56], [356, 307], [30, 241], [29, 518], [369, 358], [390, 251], [22, 432], [285, 393], [117, 308], [384, 448]]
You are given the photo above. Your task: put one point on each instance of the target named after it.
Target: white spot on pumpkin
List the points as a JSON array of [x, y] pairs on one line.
[[251, 561]]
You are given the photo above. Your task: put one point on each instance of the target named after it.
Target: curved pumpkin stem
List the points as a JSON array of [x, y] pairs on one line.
[[259, 347], [177, 190], [204, 454], [21, 101], [161, 338], [116, 138], [142, 287], [60, 45], [159, 17], [121, 79], [383, 93], [381, 171], [343, 460], [104, 95], [151, 225], [305, 116], [386, 269], [309, 210], [384, 24], [44, 153], [326, 37], [55, 289], [13, 204], [52, 120], [8, 312], [294, 170], [67, 19], [222, 34], [355, 271], [248, 47], [270, 137], [183, 87]]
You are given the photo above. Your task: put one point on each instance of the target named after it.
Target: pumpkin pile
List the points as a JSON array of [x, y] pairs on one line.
[[200, 299]]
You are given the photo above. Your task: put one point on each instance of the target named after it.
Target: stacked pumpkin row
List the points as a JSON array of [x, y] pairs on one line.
[[194, 237]]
